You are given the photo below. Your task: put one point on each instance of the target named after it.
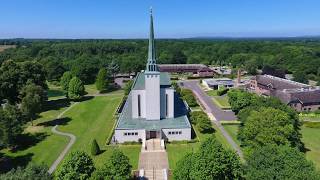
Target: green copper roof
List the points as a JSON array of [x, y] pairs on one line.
[[180, 120], [140, 80]]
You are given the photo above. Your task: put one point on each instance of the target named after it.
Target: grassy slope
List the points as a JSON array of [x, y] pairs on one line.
[[93, 119], [310, 136], [50, 147]]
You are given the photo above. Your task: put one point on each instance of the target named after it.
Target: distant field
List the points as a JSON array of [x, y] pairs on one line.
[[4, 47]]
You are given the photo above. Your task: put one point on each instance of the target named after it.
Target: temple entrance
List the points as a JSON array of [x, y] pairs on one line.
[[153, 134]]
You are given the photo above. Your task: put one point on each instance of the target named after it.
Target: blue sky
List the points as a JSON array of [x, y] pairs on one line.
[[173, 18]]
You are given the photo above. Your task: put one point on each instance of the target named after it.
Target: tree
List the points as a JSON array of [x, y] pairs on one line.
[[101, 81], [77, 165], [32, 101], [211, 161], [127, 87], [113, 68], [11, 122], [300, 76], [117, 167], [65, 80], [75, 89], [268, 126], [178, 57], [95, 149], [279, 162], [9, 80], [32, 171], [184, 167]]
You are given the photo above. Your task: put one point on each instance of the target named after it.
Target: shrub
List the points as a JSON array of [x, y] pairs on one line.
[[95, 149], [204, 125], [187, 95], [222, 91], [195, 115]]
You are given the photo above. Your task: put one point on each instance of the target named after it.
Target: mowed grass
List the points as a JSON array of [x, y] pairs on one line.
[[46, 149], [311, 139], [232, 130], [178, 151], [221, 101], [93, 119]]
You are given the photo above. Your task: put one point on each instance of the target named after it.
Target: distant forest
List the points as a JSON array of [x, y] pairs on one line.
[[84, 58]]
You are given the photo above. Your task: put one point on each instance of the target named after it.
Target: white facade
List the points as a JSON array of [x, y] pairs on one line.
[[129, 135], [138, 95], [152, 88], [177, 134]]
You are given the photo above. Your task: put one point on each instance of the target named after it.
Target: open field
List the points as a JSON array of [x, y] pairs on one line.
[[310, 137], [4, 47]]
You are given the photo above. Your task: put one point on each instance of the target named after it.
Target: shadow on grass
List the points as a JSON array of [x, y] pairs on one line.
[[8, 162], [27, 140], [61, 121], [56, 104]]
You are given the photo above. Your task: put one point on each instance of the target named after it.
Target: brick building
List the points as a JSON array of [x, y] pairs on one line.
[[301, 97]]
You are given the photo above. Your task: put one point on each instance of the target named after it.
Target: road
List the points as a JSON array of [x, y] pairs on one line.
[[72, 137], [206, 101], [214, 112]]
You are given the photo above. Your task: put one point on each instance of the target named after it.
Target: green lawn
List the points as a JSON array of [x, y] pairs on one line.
[[93, 119], [212, 92], [221, 101], [311, 139], [91, 89], [87, 120], [177, 151], [46, 149], [55, 92], [232, 131]]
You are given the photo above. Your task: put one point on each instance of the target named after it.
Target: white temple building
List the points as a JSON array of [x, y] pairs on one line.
[[153, 109]]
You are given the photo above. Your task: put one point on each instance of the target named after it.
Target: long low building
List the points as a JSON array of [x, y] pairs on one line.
[[199, 69], [301, 97]]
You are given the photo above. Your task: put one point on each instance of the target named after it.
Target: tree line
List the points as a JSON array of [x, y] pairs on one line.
[[84, 58]]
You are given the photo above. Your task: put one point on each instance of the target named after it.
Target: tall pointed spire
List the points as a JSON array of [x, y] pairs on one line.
[[152, 64]]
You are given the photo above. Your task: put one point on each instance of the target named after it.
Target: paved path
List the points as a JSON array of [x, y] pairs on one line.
[[206, 101], [214, 113], [66, 149], [153, 160]]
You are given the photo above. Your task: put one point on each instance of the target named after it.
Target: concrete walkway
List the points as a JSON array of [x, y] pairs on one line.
[[72, 137], [153, 160]]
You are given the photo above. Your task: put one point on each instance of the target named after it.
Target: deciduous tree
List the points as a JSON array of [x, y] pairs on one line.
[[279, 162], [78, 165], [65, 80], [75, 89]]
